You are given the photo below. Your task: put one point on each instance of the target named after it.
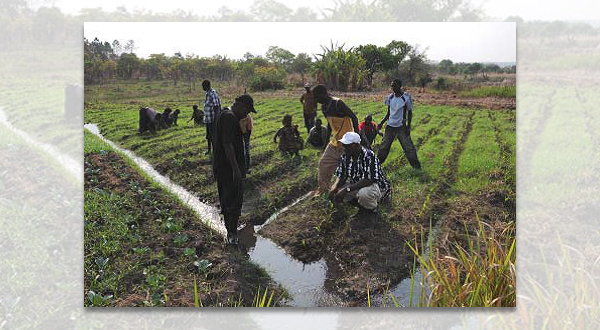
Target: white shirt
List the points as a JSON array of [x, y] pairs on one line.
[[396, 104]]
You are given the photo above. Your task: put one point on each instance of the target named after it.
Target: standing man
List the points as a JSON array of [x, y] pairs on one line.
[[340, 120], [361, 181], [212, 107], [399, 113], [229, 165], [246, 127], [310, 108]]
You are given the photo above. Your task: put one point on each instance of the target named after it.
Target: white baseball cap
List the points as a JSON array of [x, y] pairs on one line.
[[350, 137]]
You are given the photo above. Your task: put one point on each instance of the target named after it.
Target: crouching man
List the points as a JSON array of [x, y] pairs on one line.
[[360, 179]]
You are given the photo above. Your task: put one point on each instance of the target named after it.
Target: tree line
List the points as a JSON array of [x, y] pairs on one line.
[[337, 66]]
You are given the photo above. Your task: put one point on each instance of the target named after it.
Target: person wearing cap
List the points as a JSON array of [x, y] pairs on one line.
[[399, 112], [360, 179], [340, 120], [228, 165], [212, 106], [310, 108]]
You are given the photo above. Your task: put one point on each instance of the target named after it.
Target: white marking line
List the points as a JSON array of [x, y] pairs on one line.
[[72, 166], [209, 214]]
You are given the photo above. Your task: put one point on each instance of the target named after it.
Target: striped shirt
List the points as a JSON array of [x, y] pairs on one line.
[[366, 166], [212, 100]]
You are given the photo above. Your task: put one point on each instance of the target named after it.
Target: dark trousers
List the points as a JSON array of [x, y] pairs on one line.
[[405, 141], [209, 134], [309, 122], [231, 197], [247, 149]]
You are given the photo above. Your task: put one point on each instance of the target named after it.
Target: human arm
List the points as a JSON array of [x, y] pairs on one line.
[[341, 193], [347, 112], [276, 135], [409, 109], [387, 116], [230, 154]]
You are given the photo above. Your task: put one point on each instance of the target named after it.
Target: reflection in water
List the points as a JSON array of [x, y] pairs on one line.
[[304, 282]]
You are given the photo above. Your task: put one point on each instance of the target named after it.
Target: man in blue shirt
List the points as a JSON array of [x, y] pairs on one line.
[[399, 117], [212, 107]]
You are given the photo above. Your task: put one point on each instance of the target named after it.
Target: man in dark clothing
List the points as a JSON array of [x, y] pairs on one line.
[[399, 113], [212, 106], [229, 167], [309, 106], [150, 120], [317, 136]]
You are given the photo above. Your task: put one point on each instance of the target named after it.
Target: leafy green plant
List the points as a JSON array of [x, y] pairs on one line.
[[180, 239], [98, 300]]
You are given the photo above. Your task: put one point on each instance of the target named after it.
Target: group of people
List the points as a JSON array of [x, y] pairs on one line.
[[360, 179], [151, 120]]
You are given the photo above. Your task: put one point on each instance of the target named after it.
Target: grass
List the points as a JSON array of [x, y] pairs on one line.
[[459, 149], [492, 91], [481, 274], [142, 246]]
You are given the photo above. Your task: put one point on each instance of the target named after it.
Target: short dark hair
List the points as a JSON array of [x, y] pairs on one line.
[[206, 84], [287, 118], [397, 82], [247, 100], [320, 90], [318, 121], [195, 106]]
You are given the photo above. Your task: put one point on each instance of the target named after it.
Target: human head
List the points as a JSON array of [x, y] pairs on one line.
[[206, 85], [368, 118], [243, 105], [397, 86], [195, 107], [351, 143], [287, 120], [318, 122], [320, 94], [307, 87]]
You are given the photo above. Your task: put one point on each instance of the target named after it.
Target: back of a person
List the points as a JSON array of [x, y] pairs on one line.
[[227, 125], [339, 122], [317, 137]]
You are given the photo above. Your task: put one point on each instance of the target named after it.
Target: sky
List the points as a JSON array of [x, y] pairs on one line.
[[459, 42], [527, 9]]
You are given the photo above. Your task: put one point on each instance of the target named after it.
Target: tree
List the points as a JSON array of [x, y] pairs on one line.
[[301, 64], [127, 64], [270, 11], [279, 56], [339, 68], [446, 66], [398, 50]]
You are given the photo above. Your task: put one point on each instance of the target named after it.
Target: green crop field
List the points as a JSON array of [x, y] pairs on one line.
[[468, 159]]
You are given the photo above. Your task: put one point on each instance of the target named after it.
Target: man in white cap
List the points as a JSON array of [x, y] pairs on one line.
[[361, 181]]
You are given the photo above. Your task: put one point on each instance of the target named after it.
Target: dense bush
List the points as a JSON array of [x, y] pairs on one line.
[[265, 78]]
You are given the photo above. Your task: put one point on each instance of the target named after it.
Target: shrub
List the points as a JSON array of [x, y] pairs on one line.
[[265, 78]]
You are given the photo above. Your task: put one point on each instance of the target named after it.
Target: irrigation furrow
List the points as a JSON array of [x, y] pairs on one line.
[[402, 160], [505, 153], [533, 140], [435, 202]]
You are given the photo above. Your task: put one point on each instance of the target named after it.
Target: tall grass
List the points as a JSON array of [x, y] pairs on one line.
[[482, 274], [492, 91]]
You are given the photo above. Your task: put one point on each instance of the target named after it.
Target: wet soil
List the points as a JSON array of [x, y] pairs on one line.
[[361, 252], [230, 277]]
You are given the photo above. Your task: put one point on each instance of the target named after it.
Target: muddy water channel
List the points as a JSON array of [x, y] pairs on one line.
[[308, 284]]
